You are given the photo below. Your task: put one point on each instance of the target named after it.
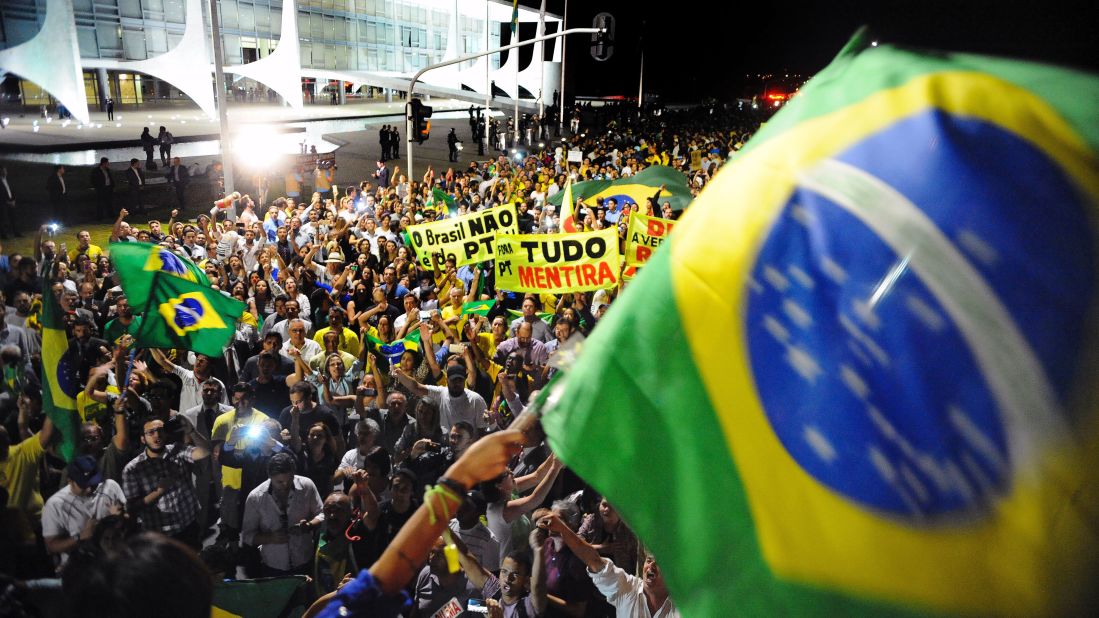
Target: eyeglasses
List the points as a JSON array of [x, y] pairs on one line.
[[153, 432]]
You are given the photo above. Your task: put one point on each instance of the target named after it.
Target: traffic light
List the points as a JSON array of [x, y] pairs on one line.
[[420, 125], [602, 43]]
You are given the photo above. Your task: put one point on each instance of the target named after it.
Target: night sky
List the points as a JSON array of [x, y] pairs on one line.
[[695, 50]]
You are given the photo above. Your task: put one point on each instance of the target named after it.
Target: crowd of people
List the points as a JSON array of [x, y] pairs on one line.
[[303, 449]]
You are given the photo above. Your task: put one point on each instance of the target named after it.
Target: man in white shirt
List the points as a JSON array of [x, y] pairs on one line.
[[455, 401], [71, 514], [279, 517], [191, 393], [631, 596]]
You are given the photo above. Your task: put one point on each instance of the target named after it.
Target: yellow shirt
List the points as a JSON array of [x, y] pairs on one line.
[[19, 476], [94, 251], [227, 428], [349, 341]]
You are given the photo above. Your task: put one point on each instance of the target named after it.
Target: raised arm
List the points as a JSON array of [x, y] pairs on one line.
[[475, 573], [523, 483], [522, 506], [412, 385], [485, 459], [579, 547]]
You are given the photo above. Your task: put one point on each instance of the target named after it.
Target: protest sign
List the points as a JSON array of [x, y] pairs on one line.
[[643, 237], [467, 239], [557, 263], [576, 156]]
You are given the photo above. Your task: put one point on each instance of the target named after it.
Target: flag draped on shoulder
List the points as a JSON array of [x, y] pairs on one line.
[[632, 189], [873, 390], [138, 262], [60, 377], [184, 314]]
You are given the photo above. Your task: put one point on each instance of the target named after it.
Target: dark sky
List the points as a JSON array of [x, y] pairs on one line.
[[695, 49]]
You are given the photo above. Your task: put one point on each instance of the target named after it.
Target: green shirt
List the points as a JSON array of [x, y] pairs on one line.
[[115, 329]]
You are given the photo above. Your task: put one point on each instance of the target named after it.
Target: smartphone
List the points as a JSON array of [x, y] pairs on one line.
[[476, 606], [458, 348]]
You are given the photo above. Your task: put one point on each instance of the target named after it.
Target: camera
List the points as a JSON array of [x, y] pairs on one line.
[[174, 430]]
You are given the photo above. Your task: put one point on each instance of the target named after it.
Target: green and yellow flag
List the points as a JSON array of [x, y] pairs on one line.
[[478, 307], [138, 262], [393, 351], [60, 377], [858, 381], [441, 199], [184, 314], [258, 598], [633, 189]]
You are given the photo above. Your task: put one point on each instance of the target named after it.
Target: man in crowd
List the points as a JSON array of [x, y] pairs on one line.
[[157, 483]]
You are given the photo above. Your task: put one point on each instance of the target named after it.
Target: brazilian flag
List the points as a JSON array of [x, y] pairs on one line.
[[545, 317], [478, 307], [137, 263], [632, 189], [860, 379], [439, 198], [258, 598], [392, 351], [60, 381], [184, 314]]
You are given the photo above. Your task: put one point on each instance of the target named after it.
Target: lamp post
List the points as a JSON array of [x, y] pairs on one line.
[[416, 77]]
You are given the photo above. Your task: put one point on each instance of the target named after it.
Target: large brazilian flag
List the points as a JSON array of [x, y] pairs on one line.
[[860, 380], [138, 262], [183, 314], [60, 377]]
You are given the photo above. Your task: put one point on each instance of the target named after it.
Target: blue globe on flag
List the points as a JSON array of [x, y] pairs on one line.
[[188, 313], [904, 312], [171, 263]]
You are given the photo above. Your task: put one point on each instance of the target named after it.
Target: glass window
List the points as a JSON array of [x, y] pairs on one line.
[[134, 44], [232, 49], [247, 18], [229, 14], [263, 19], [330, 56], [82, 5], [306, 51], [108, 36], [329, 28], [173, 11], [153, 5], [85, 38], [129, 8], [341, 29], [316, 25], [157, 40]]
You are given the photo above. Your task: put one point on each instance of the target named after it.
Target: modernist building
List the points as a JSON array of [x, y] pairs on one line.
[[80, 52]]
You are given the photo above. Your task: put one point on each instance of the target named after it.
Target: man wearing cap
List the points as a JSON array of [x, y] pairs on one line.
[[71, 514], [455, 401]]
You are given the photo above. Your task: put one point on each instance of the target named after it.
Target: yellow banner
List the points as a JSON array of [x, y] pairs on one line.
[[643, 237], [468, 239], [557, 263]]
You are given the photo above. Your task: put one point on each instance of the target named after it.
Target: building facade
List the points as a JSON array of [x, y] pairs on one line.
[[359, 42]]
